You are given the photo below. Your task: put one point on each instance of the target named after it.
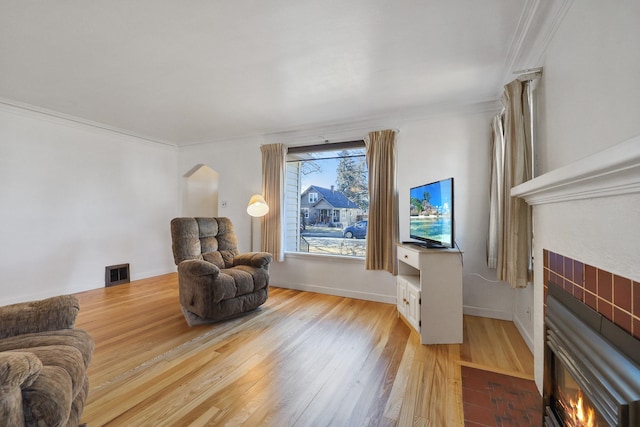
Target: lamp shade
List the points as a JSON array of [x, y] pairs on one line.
[[257, 206]]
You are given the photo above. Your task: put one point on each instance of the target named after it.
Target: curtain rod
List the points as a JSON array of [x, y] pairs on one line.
[[327, 146], [528, 70], [529, 74]]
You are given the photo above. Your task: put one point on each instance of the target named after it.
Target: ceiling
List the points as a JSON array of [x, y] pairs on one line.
[[182, 72]]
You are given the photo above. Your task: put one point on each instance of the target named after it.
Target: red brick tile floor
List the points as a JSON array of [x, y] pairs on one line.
[[491, 399]]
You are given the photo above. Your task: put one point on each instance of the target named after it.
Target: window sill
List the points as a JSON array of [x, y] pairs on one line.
[[307, 255]]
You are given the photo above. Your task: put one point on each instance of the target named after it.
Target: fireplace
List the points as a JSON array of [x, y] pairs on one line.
[[570, 403], [592, 366], [587, 209]]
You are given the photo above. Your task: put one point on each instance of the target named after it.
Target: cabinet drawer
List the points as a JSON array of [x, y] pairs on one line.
[[409, 257]]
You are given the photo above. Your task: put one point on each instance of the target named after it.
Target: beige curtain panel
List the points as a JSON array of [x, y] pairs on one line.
[[514, 254], [382, 234], [273, 169], [496, 192]]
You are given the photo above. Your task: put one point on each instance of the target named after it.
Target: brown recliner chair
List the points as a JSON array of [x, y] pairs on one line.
[[215, 281], [43, 363]]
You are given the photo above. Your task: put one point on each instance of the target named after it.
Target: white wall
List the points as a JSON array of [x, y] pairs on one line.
[[457, 145], [589, 100], [590, 88], [75, 199], [453, 144]]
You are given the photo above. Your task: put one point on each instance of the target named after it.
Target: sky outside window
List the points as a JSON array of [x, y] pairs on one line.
[[322, 167]]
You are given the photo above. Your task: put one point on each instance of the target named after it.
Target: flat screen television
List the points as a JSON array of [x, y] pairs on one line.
[[431, 214]]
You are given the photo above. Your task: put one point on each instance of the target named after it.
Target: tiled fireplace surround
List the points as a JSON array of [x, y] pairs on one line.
[[616, 298]]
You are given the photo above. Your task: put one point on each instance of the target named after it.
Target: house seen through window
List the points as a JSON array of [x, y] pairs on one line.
[[327, 199]]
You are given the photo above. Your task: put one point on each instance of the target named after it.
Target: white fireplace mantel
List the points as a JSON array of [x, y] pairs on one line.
[[614, 171]]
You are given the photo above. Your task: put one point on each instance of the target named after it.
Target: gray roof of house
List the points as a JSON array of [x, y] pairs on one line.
[[335, 198]]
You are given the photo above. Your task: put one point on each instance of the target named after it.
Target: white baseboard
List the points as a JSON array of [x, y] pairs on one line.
[[528, 339], [74, 289], [388, 299], [154, 273], [42, 295], [485, 312]]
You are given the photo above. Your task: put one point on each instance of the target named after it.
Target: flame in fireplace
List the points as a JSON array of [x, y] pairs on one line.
[[581, 416]]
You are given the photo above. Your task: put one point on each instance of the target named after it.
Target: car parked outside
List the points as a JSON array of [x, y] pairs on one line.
[[357, 230]]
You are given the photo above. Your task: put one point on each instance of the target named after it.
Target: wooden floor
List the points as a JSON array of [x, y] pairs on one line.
[[303, 359]]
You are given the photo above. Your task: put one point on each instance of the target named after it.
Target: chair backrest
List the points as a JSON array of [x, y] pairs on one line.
[[210, 239]]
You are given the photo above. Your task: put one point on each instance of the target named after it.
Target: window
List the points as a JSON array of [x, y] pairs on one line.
[[326, 194]]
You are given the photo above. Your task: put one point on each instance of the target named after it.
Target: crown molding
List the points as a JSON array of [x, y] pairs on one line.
[[538, 24], [611, 172], [316, 133], [40, 113], [522, 30], [358, 129], [313, 133]]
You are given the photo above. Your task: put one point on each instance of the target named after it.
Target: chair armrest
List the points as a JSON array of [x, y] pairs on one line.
[[254, 259], [38, 316], [18, 369], [198, 267]]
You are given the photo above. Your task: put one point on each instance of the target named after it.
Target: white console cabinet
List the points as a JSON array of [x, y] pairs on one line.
[[429, 292]]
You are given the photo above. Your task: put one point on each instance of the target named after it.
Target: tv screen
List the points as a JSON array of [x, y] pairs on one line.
[[431, 214]]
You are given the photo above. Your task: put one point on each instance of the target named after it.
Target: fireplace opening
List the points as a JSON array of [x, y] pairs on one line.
[[592, 368], [570, 404]]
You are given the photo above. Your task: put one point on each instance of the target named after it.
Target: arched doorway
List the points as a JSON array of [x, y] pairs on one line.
[[200, 195]]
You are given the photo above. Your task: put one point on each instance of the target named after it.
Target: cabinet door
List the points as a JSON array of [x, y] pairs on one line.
[[413, 307], [401, 295]]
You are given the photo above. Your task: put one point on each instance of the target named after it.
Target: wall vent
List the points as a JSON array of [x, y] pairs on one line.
[[116, 274]]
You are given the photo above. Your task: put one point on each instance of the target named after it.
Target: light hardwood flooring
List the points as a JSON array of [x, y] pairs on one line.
[[302, 359]]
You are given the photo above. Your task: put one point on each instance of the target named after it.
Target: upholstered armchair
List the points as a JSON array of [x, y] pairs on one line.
[[215, 281], [43, 363]]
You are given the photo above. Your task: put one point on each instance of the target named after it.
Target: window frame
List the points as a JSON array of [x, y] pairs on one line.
[[287, 234]]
